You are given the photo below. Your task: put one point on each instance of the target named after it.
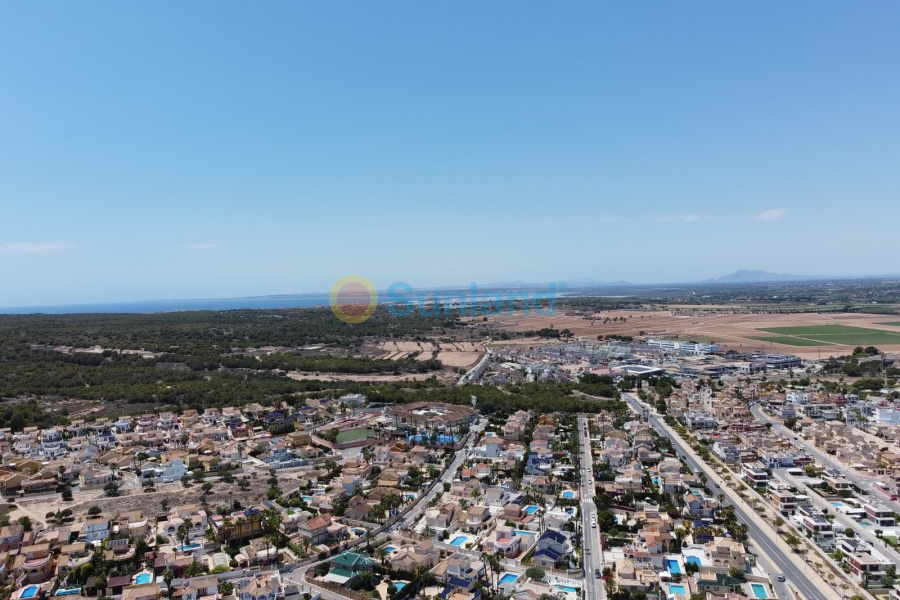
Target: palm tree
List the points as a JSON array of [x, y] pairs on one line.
[[381, 554], [489, 560], [168, 575], [428, 532], [182, 534]]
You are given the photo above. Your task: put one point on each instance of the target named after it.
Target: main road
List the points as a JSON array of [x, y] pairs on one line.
[[810, 585], [593, 551]]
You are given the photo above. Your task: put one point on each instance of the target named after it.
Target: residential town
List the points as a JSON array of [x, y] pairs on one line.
[[343, 497]]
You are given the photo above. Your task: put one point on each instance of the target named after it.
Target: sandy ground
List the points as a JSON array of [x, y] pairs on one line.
[[734, 330], [458, 359]]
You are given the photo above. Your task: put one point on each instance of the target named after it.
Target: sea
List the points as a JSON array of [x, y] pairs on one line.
[[160, 306]]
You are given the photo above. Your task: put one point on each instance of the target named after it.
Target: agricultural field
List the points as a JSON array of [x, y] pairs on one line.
[[829, 335], [789, 341], [891, 323]]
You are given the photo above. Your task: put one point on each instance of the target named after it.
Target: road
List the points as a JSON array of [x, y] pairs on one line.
[[786, 563], [593, 553], [863, 482]]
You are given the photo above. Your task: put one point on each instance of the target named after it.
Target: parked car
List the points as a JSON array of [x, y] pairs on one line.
[[597, 573]]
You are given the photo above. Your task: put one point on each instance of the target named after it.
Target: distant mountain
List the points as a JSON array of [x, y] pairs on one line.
[[745, 276]]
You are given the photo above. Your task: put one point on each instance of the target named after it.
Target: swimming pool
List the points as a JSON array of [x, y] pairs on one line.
[[389, 549], [759, 591], [837, 504], [531, 509], [68, 592], [568, 494], [399, 585], [143, 578], [458, 541], [359, 532], [566, 588], [190, 547], [441, 439], [674, 568], [307, 498], [677, 589], [508, 578], [29, 592], [694, 560]]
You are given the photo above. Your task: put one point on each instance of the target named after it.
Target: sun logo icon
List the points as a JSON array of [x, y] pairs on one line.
[[353, 299]]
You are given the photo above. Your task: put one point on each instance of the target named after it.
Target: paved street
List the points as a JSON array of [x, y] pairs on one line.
[[775, 556], [593, 554]]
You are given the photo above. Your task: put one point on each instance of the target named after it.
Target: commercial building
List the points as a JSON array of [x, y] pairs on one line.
[[684, 347]]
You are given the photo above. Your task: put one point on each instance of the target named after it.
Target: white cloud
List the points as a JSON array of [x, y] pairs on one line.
[[35, 246], [770, 215], [686, 218], [202, 246]]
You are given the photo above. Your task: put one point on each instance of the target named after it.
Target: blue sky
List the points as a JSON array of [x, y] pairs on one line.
[[212, 149]]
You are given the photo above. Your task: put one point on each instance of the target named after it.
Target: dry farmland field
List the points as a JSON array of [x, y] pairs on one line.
[[809, 335]]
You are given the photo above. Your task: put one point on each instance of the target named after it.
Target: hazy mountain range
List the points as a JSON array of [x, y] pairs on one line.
[[745, 276]]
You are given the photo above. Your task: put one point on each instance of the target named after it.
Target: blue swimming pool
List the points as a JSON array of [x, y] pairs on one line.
[[307, 498], [508, 578], [566, 588], [759, 590], [458, 541], [531, 509], [68, 592], [674, 568], [389, 548], [29, 592], [399, 585], [568, 494], [143, 578], [441, 439], [694, 560], [190, 547], [677, 589]]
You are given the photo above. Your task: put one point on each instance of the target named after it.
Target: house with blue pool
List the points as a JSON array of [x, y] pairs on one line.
[[553, 549]]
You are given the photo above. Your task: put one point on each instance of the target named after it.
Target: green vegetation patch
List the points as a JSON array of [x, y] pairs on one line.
[[354, 435], [789, 341], [891, 323], [836, 334]]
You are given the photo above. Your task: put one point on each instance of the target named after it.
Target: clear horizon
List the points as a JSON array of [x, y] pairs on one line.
[[228, 151]]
